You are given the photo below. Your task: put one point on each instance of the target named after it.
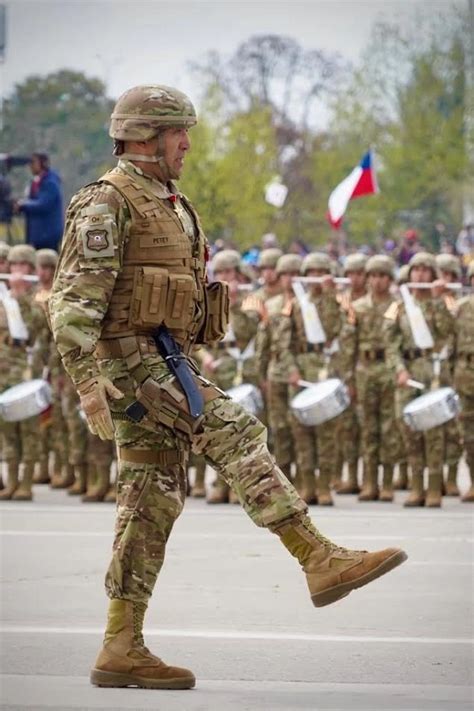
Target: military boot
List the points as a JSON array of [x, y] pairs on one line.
[[350, 486], [41, 475], [13, 467], [387, 484], [65, 479], [468, 497], [451, 486], [80, 485], [198, 489], [333, 572], [219, 493], [24, 491], [308, 487], [111, 495], [401, 483], [323, 490], [417, 492], [97, 491], [433, 496], [125, 661], [370, 488]]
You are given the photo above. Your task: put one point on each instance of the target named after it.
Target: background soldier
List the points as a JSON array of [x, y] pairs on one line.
[[134, 253]]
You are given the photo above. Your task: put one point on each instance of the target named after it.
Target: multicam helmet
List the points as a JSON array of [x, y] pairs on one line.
[[289, 264], [4, 250], [355, 263], [449, 263], [268, 258], [22, 253], [380, 263], [423, 259], [46, 258], [141, 111], [316, 260], [403, 274], [226, 259]]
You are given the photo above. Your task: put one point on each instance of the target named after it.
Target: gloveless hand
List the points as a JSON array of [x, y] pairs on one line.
[[93, 395]]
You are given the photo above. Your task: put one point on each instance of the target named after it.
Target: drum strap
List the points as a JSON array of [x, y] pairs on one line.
[[416, 319], [16, 325]]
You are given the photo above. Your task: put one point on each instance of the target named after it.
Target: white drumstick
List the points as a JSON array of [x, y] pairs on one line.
[[415, 384], [305, 384], [19, 277], [319, 280]]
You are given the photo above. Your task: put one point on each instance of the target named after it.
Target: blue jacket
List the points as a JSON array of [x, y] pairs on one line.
[[44, 213]]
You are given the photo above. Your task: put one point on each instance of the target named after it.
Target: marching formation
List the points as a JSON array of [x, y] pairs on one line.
[[341, 402], [44, 436]]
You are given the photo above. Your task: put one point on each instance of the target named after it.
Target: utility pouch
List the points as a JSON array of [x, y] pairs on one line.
[[149, 297], [217, 313], [180, 301]]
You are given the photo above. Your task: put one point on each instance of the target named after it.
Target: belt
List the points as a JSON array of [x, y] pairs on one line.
[[120, 347], [373, 354], [414, 353], [314, 348], [151, 456]]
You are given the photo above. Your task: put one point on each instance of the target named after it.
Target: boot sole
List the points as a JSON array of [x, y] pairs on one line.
[[338, 591], [114, 679]]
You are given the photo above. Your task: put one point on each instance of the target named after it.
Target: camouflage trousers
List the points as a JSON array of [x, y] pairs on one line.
[[54, 437], [376, 406], [424, 449], [151, 489], [467, 424], [21, 441], [278, 409], [75, 426], [349, 435]]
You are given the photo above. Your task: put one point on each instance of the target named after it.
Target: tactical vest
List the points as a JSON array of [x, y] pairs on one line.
[[162, 279]]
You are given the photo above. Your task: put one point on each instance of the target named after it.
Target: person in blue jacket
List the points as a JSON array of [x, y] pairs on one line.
[[43, 208]]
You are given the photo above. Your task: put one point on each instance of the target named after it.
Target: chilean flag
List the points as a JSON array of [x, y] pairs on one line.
[[361, 181]]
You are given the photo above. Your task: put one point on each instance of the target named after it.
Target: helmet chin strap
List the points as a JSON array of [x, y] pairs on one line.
[[159, 157]]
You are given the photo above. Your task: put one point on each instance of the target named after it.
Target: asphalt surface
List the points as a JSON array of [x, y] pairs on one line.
[[232, 605]]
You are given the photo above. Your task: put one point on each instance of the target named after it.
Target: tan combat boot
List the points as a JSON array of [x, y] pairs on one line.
[[65, 479], [41, 475], [12, 480], [24, 491], [387, 484], [198, 489], [125, 661], [219, 493], [98, 490], [370, 488], [333, 572], [433, 496], [350, 486], [80, 485], [417, 492], [323, 490], [451, 486], [468, 497], [401, 483]]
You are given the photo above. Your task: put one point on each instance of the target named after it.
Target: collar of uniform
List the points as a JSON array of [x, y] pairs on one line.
[[162, 191]]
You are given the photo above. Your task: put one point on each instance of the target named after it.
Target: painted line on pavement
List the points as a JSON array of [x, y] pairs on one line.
[[242, 634]]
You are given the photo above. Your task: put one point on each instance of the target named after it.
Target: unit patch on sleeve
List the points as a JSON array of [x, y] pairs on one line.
[[97, 237]]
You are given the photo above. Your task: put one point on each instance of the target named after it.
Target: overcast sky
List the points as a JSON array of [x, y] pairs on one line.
[[127, 43]]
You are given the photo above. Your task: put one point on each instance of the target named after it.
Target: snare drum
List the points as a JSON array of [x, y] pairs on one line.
[[431, 410], [248, 396], [25, 400], [321, 402]]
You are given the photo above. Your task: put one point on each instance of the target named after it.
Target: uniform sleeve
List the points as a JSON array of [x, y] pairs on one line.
[[284, 341], [444, 321], [262, 349], [91, 256], [331, 317], [348, 342]]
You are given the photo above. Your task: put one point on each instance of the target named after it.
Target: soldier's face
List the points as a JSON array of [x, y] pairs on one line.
[[228, 275], [448, 277], [22, 268], [269, 275], [286, 278], [421, 274], [379, 283], [176, 143], [45, 274], [357, 280], [4, 266]]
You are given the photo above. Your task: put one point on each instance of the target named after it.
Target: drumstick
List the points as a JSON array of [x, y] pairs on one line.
[[415, 384], [456, 286], [19, 277], [305, 384], [319, 280]]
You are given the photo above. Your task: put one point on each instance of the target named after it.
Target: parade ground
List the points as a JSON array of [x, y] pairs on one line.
[[232, 605]]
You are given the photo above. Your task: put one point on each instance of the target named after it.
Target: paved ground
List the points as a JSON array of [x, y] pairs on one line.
[[233, 606]]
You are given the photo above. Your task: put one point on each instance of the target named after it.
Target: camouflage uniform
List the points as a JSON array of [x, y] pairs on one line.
[[22, 360], [365, 367], [315, 446], [423, 448], [271, 371], [464, 375], [132, 258]]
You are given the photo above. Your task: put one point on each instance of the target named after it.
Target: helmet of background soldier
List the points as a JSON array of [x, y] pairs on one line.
[[449, 263], [4, 250], [289, 263], [316, 260], [22, 253], [46, 258], [403, 275], [268, 258], [141, 111], [380, 263], [355, 263], [423, 259], [225, 259]]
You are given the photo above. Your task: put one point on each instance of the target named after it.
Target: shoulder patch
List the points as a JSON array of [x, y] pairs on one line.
[[97, 236], [392, 311]]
